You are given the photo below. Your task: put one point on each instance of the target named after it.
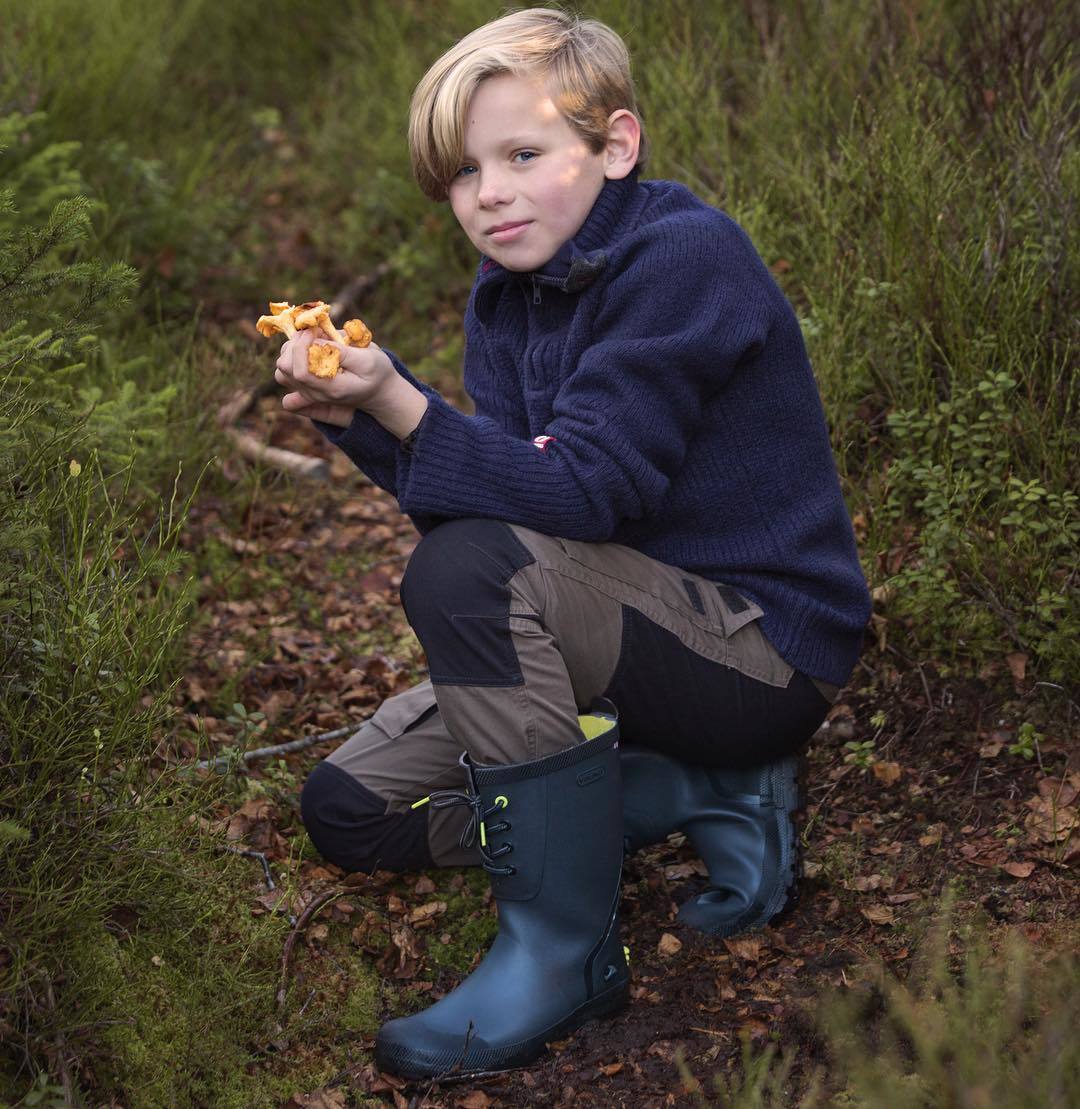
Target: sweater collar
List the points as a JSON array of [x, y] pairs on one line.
[[578, 262]]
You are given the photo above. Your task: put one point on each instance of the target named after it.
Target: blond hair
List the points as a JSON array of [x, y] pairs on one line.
[[585, 62]]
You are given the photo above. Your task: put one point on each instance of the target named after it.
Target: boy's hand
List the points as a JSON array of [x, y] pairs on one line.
[[367, 381], [365, 375]]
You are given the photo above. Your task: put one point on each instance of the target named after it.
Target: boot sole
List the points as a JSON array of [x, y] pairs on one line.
[[455, 1065], [795, 792]]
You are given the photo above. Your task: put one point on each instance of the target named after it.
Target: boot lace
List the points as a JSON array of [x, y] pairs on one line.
[[476, 831]]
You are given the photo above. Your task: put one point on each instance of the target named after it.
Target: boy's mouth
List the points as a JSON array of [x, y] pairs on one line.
[[507, 232]]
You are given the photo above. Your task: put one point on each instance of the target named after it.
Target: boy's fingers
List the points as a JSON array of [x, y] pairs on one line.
[[300, 346], [293, 402]]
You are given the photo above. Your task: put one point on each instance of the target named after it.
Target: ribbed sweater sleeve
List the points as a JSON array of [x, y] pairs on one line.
[[624, 416]]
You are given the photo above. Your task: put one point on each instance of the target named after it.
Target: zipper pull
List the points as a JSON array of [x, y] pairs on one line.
[[536, 290]]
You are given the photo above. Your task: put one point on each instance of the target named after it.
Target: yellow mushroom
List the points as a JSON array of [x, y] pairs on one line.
[[317, 314], [324, 361], [358, 332], [281, 319]]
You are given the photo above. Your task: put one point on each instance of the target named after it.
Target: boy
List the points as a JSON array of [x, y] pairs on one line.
[[642, 524]]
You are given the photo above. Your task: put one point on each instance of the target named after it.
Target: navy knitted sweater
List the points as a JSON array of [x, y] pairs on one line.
[[648, 386]]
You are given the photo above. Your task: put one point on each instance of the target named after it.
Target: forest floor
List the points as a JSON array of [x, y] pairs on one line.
[[919, 782]]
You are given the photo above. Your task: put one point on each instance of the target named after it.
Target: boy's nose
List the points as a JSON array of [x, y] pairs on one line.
[[493, 191]]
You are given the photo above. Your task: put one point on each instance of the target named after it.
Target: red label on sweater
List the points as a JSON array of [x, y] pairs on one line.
[[542, 441]]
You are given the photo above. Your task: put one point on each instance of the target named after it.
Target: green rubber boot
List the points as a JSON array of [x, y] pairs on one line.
[[550, 835]]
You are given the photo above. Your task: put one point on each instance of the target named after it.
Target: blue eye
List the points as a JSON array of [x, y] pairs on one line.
[[465, 171], [526, 155]]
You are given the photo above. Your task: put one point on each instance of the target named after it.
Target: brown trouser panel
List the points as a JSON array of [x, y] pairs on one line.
[[570, 607]]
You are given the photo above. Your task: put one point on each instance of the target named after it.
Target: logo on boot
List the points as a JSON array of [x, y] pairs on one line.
[[587, 777]]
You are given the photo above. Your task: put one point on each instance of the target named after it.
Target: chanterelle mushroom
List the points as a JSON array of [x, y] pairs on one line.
[[281, 319], [324, 361], [358, 332], [317, 314]]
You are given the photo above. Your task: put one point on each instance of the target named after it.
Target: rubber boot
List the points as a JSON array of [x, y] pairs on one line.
[[741, 823], [550, 835]]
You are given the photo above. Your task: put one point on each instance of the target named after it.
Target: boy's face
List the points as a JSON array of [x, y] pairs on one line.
[[528, 179]]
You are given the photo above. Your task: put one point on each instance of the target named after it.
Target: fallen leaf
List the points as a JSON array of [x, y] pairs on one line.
[[1062, 793], [1049, 821], [879, 914], [991, 749], [887, 773], [985, 854], [404, 940], [424, 886], [474, 1099], [1017, 663], [640, 993], [894, 848], [932, 835], [611, 1068], [426, 912], [756, 1029], [748, 948], [269, 901], [902, 898], [864, 883], [1019, 870], [669, 945], [685, 870]]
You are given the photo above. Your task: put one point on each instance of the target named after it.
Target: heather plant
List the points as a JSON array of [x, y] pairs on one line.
[[990, 1028]]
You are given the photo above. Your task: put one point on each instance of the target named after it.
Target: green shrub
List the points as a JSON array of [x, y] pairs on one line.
[[99, 863]]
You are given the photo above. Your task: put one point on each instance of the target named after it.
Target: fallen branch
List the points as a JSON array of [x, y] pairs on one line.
[[257, 451], [223, 762], [305, 919], [300, 464]]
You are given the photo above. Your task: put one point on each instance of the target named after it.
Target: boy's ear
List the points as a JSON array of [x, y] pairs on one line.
[[624, 139]]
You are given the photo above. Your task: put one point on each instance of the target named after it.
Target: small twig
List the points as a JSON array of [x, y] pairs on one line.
[[922, 676], [223, 762], [324, 898], [249, 854]]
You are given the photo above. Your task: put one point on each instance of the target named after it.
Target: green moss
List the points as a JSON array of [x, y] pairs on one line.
[[185, 1008], [360, 1010]]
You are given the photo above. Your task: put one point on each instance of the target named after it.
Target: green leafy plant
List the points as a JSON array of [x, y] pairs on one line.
[[860, 753], [1027, 742]]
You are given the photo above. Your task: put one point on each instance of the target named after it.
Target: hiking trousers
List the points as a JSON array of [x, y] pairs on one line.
[[523, 631]]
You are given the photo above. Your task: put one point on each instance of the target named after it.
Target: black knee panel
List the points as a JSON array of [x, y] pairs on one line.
[[352, 829], [456, 596]]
